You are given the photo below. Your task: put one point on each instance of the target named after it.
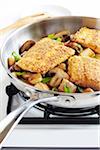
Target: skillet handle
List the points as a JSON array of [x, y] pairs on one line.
[[10, 122]]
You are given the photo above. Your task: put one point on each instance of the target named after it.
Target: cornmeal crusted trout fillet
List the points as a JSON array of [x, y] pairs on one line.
[[45, 55], [88, 37], [84, 71]]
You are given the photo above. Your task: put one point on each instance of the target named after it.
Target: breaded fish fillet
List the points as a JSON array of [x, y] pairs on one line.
[[45, 55], [84, 71], [89, 38]]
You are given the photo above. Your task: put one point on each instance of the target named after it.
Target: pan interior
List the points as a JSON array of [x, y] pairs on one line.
[[38, 30]]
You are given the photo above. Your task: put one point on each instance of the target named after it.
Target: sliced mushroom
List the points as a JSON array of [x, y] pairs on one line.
[[68, 84], [16, 68], [62, 66], [61, 73], [87, 52], [60, 34], [26, 46], [88, 90], [41, 86], [11, 61], [64, 35], [75, 46], [27, 75], [35, 78], [57, 78], [55, 81]]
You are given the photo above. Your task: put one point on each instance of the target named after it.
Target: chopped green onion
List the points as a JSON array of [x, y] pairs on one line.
[[16, 56], [46, 79], [51, 36], [67, 89], [58, 39], [80, 89], [20, 73]]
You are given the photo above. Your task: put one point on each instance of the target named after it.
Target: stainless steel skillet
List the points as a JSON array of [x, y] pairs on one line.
[[36, 31]]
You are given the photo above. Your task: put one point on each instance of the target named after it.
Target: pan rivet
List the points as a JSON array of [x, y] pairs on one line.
[[67, 100]]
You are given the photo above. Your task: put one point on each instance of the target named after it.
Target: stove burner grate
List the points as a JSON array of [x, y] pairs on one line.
[[60, 115]]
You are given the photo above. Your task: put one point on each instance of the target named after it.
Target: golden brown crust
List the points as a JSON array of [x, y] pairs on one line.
[[44, 55], [88, 38], [84, 71]]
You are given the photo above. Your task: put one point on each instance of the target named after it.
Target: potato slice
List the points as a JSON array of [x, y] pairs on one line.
[[68, 84], [88, 90], [35, 78], [41, 86]]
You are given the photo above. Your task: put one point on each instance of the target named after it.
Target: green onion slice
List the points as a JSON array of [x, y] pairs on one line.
[[46, 79], [58, 39], [51, 36], [16, 56], [20, 73], [67, 89]]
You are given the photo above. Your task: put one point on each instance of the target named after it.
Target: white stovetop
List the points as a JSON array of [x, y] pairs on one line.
[[61, 136]]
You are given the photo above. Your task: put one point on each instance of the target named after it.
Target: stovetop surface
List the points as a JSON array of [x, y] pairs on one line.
[[38, 148], [48, 114]]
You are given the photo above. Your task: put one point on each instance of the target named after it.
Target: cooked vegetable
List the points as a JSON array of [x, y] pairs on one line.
[[35, 78], [67, 89], [16, 56], [75, 46], [11, 61], [41, 86], [16, 68], [46, 79], [26, 46], [27, 75], [59, 72], [20, 73], [55, 81], [62, 33], [57, 78], [58, 39], [52, 36], [88, 90], [49, 64], [67, 86], [14, 74]]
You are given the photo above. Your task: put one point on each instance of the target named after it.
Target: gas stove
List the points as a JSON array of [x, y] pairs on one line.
[[48, 114], [50, 127]]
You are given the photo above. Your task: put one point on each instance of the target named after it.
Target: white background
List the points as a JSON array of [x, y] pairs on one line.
[[11, 10]]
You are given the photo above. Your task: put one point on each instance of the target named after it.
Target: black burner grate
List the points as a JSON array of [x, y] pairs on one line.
[[62, 115]]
